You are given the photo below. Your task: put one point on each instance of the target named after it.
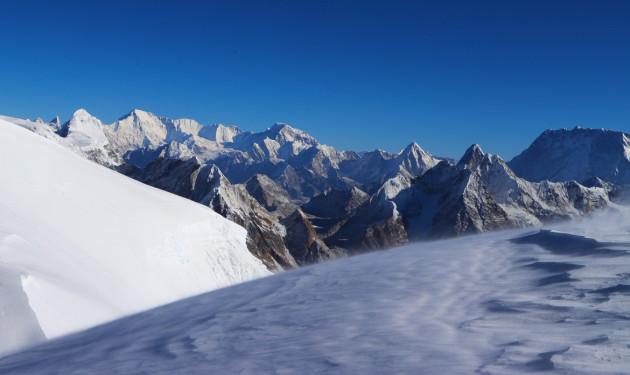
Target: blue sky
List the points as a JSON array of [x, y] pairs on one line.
[[354, 74]]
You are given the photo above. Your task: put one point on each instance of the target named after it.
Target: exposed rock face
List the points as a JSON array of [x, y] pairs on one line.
[[264, 234], [206, 184], [330, 210], [270, 195], [302, 241], [478, 194], [375, 224], [578, 154], [333, 203]]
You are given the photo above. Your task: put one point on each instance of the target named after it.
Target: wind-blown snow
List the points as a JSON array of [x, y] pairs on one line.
[[81, 245], [524, 301]]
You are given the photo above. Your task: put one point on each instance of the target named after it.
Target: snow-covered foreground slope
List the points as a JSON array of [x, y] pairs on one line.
[[81, 245], [499, 303]]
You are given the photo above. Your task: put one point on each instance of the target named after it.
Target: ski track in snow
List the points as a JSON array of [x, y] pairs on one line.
[[550, 301]]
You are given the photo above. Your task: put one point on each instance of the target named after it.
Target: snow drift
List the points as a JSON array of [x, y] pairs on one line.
[[81, 245]]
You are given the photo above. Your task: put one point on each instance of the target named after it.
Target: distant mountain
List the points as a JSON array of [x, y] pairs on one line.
[[303, 202], [296, 161], [478, 194], [578, 154]]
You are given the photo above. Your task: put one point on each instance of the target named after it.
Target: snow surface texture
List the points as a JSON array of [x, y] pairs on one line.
[[552, 301], [81, 245]]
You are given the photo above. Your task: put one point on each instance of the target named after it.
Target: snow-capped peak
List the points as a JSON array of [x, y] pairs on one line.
[[413, 146], [578, 154], [84, 128], [283, 133], [137, 116], [278, 126], [81, 112]]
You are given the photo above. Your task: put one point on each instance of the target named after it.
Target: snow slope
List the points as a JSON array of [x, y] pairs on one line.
[[551, 301], [81, 244]]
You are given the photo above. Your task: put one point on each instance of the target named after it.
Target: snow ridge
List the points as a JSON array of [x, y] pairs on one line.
[[86, 245]]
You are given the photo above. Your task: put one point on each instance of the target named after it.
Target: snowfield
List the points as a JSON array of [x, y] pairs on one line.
[[81, 245], [552, 300]]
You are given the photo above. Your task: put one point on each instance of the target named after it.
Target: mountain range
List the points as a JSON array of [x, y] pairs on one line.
[[303, 202]]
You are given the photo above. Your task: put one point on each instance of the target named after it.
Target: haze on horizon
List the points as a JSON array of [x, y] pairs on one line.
[[354, 75]]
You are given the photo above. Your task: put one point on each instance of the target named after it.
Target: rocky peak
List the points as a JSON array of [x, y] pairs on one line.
[[302, 240], [473, 156]]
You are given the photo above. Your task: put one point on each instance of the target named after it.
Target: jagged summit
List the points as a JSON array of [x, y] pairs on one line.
[[473, 156]]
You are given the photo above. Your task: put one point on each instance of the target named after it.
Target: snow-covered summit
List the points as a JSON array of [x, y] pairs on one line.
[[83, 130]]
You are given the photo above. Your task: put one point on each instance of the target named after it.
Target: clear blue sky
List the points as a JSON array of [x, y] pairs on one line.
[[354, 74]]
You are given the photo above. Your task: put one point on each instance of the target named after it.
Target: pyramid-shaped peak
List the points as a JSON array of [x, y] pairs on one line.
[[80, 118], [473, 151], [473, 155], [413, 146]]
